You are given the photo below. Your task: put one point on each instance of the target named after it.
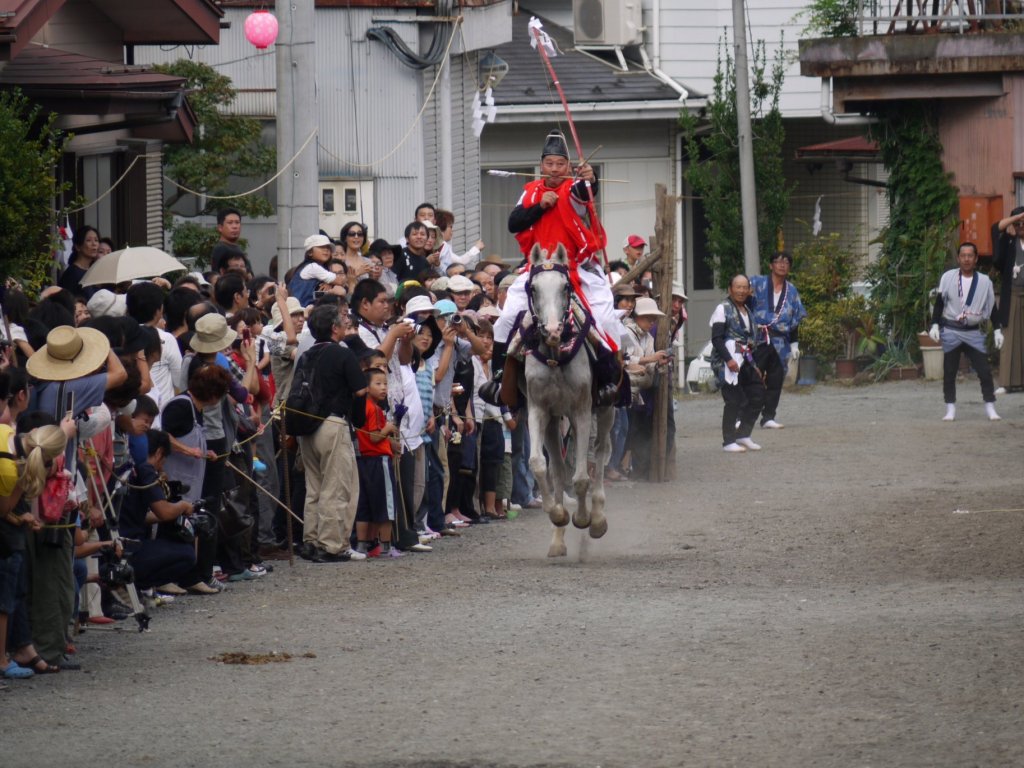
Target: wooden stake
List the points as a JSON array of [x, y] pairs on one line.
[[665, 237]]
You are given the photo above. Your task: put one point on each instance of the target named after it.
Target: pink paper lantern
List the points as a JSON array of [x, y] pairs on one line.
[[261, 29]]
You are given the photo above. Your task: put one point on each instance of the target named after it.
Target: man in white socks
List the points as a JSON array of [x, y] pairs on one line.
[[964, 300]]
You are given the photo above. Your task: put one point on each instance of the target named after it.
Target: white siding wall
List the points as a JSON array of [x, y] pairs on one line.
[[691, 32]]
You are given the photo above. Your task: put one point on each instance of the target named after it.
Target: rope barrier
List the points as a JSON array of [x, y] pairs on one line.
[[267, 183], [105, 194]]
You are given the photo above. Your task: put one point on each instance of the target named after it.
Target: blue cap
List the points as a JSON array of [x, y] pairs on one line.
[[446, 307]]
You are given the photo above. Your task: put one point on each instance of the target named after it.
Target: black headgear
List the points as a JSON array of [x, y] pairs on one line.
[[555, 144]]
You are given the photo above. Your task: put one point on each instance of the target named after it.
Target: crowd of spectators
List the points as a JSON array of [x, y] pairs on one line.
[[172, 438]]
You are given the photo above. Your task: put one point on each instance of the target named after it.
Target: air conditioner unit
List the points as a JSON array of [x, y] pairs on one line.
[[607, 22]]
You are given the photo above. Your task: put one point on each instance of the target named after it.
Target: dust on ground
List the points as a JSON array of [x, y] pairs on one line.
[[851, 595]]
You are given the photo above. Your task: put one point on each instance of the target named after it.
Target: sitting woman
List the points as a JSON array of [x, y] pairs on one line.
[[160, 535], [25, 463], [733, 341]]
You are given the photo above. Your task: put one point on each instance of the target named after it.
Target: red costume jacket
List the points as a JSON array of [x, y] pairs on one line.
[[559, 224]]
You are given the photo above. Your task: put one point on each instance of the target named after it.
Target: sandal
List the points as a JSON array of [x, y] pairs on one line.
[[33, 664]]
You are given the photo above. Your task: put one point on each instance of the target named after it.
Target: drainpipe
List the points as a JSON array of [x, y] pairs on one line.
[[831, 117], [656, 45]]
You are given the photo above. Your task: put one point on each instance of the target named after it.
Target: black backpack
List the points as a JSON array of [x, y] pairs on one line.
[[306, 408]]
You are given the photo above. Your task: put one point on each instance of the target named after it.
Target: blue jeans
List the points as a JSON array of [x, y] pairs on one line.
[[523, 482], [620, 431], [433, 496]]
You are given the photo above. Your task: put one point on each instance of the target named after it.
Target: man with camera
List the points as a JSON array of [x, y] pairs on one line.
[[158, 533]]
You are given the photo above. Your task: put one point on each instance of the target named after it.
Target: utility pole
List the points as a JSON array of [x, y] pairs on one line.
[[748, 192], [297, 188]]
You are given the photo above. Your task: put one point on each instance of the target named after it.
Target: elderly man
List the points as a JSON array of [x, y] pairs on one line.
[[633, 247], [778, 312], [965, 299]]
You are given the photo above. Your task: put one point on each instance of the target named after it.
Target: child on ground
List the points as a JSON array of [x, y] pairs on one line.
[[376, 510]]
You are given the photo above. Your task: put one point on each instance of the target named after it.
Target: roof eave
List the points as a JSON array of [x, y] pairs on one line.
[[668, 109]]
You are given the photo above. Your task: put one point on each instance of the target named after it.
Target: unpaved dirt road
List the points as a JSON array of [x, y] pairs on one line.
[[819, 603]]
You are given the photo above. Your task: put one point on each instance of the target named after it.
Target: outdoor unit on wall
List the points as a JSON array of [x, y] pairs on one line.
[[607, 22]]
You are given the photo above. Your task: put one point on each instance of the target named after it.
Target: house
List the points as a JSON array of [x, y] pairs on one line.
[[628, 71], [969, 63], [74, 58], [390, 135]]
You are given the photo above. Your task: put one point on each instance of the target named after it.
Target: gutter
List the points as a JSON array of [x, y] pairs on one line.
[[830, 117]]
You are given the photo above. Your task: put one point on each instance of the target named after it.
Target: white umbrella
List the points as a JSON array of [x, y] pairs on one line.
[[131, 264]]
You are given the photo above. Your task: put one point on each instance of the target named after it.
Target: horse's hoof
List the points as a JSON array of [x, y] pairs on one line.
[[581, 520], [557, 550], [558, 516], [598, 527]]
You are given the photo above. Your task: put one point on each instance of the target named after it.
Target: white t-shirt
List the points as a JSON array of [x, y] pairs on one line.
[[165, 371], [413, 422]]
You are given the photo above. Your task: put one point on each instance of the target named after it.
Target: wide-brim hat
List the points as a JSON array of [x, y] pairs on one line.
[[69, 353], [294, 307], [105, 302], [418, 304], [677, 290], [488, 312], [646, 307], [624, 289], [212, 334]]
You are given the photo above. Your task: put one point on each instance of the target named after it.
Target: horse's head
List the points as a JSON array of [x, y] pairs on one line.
[[549, 291]]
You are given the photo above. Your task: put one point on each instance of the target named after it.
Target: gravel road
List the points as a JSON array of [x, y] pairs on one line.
[[849, 596]]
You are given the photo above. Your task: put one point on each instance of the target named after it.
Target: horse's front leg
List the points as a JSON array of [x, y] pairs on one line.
[[602, 452], [539, 421], [581, 477]]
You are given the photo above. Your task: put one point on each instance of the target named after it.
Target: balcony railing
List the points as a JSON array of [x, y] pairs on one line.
[[895, 17]]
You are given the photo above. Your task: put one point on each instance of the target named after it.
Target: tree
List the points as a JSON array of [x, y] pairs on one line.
[[714, 171], [922, 208], [33, 147], [225, 146]]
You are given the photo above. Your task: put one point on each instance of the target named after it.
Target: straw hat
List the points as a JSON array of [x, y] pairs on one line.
[[647, 308], [212, 334], [69, 353]]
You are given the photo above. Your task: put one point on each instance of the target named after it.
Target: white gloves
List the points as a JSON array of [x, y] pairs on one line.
[[794, 351], [1016, 271], [997, 336], [933, 333]]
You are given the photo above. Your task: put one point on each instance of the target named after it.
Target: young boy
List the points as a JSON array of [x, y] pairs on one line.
[[376, 510]]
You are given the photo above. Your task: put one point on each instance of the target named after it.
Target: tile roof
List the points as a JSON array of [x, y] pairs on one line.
[[584, 79]]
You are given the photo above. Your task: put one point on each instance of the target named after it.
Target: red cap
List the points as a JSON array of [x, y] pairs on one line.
[[636, 241]]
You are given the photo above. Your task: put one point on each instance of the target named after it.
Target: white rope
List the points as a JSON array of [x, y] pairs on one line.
[[267, 183], [101, 197]]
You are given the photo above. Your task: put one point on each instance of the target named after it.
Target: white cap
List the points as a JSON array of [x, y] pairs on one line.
[[459, 283], [419, 304], [314, 241], [647, 307]]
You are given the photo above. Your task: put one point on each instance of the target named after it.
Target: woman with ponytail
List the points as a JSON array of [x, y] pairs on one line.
[[25, 463]]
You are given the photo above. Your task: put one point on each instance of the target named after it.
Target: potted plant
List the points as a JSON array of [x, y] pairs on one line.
[[852, 315], [895, 363]]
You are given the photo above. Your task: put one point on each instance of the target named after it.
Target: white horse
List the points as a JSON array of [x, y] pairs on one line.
[[558, 383]]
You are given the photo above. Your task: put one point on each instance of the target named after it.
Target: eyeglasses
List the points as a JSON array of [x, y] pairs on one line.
[[356, 234]]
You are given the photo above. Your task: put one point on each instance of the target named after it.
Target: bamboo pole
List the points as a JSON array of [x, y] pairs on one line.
[[665, 237]]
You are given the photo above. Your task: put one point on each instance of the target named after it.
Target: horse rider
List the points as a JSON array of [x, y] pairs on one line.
[[550, 212]]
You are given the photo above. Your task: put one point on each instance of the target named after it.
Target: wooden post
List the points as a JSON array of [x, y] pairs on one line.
[[665, 237]]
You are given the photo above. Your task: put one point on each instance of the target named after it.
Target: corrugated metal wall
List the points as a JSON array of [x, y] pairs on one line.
[[367, 103]]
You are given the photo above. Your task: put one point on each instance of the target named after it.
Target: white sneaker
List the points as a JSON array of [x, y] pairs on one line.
[[734, 448], [772, 424], [1001, 391], [420, 548], [990, 410], [354, 556], [950, 412], [746, 442]]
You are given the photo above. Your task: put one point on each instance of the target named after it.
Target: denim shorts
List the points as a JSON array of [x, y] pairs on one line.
[[12, 578]]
